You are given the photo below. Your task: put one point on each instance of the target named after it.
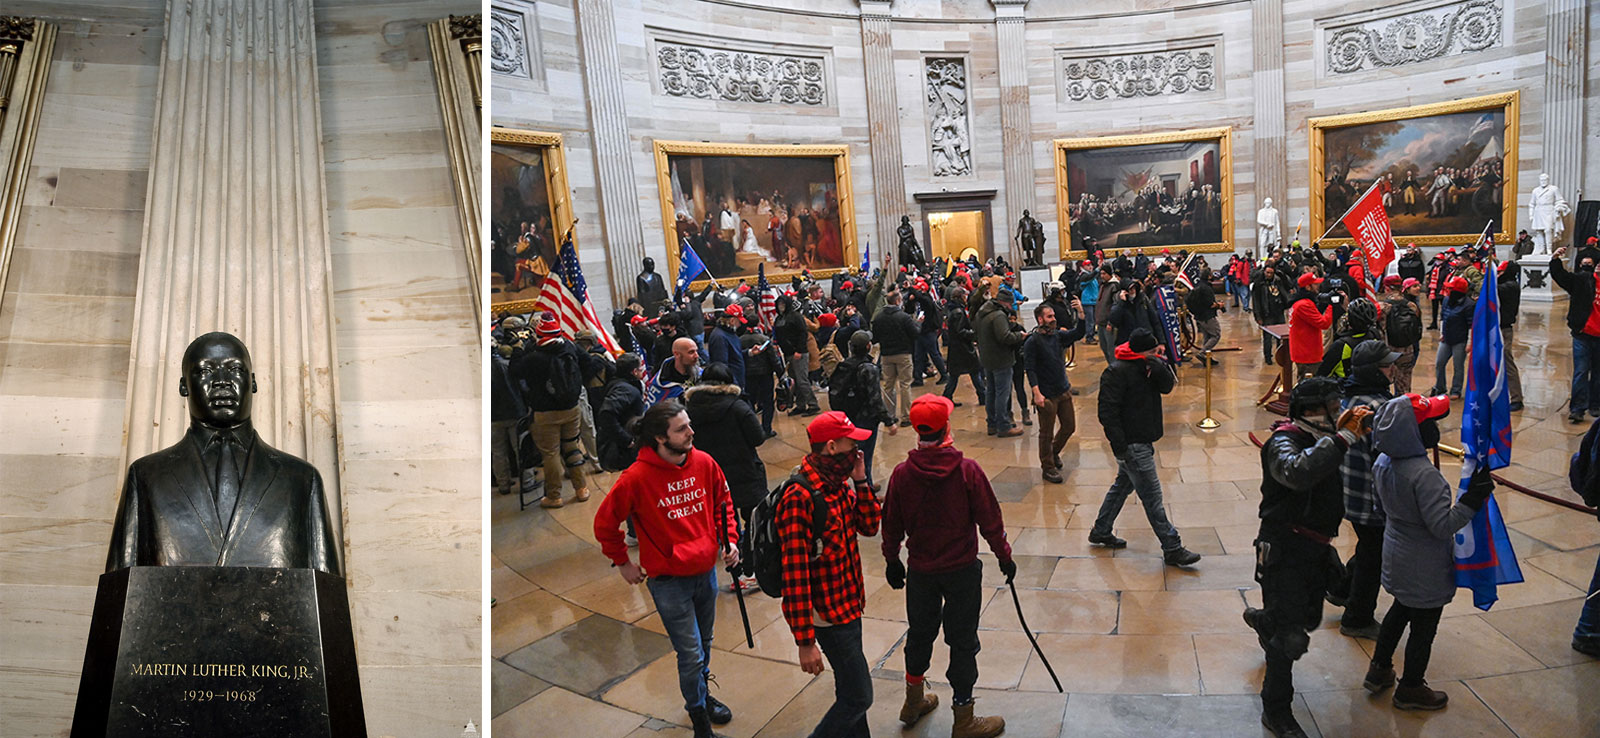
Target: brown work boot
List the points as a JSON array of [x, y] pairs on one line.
[[1420, 697], [917, 704], [968, 726], [551, 502], [581, 495]]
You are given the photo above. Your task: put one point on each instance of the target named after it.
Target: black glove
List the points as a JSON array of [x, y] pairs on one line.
[[896, 573], [1008, 567], [1478, 489]]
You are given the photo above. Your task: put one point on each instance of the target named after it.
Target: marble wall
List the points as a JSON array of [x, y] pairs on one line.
[[1055, 29], [409, 402]]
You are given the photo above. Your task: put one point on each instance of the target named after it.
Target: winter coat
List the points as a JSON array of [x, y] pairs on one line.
[[997, 338], [1130, 399], [1582, 317], [939, 500], [960, 341], [1269, 299], [1128, 316], [1411, 266], [723, 346], [1509, 289], [1336, 358], [1419, 534], [1366, 387], [1306, 325], [727, 428], [1456, 315], [533, 366], [894, 330], [1300, 482], [623, 402], [767, 362]]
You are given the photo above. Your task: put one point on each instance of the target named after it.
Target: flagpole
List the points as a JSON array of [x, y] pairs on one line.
[[703, 266], [1353, 205]]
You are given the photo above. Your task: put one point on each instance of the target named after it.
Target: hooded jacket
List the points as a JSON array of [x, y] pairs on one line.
[[1130, 399], [682, 514], [1456, 315], [938, 501], [960, 341], [1582, 317], [1300, 482], [728, 429], [996, 338], [895, 331], [1306, 325], [1419, 535], [1336, 358], [624, 401]]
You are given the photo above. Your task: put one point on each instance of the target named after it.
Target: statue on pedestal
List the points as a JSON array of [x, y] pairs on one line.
[[910, 253], [1546, 208], [651, 291], [1267, 226], [221, 496], [1030, 236]]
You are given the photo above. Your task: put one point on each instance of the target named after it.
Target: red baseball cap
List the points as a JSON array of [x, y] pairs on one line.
[[834, 425], [637, 319], [1428, 408], [1308, 280], [931, 412], [848, 285], [734, 311], [1457, 284], [1391, 281], [828, 319]]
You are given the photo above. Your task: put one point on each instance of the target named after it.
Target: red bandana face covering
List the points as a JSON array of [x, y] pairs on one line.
[[833, 466]]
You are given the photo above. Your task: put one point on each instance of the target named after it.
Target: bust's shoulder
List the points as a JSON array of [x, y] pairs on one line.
[[160, 460], [287, 463]]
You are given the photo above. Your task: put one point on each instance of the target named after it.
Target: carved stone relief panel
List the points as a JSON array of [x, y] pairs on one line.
[[690, 68], [1432, 32], [513, 41], [1106, 74], [949, 117]]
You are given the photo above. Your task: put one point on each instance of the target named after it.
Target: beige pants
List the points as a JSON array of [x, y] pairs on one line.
[[897, 384], [556, 435]]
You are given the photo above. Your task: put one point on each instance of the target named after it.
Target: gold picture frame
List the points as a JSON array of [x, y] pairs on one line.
[[1223, 136], [554, 158], [839, 154], [1508, 103]]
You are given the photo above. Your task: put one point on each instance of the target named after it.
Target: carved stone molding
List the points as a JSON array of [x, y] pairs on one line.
[[702, 71], [16, 28], [510, 43], [949, 120], [1422, 35], [466, 27], [1155, 73]]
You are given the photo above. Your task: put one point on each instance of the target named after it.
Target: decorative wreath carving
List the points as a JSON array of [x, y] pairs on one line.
[[1473, 25], [1147, 74], [508, 44], [687, 70]]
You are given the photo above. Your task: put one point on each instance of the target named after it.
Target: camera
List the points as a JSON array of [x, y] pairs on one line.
[[1336, 299]]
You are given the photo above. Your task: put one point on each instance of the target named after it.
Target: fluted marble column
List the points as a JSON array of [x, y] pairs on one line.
[[1566, 44], [883, 131], [236, 226], [1016, 121], [608, 118], [1271, 148]]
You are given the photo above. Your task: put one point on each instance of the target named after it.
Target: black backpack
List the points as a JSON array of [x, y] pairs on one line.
[[564, 380], [847, 388], [1403, 325], [1584, 473], [765, 553]]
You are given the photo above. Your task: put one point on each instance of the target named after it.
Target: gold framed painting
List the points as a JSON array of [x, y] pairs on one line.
[[530, 215], [1150, 191], [743, 206], [1446, 170]]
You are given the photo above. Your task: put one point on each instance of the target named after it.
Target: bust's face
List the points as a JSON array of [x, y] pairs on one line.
[[1544, 180], [1268, 203], [217, 381]]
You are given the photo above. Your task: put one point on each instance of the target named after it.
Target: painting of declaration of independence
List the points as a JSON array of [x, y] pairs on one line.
[[1442, 170], [522, 238], [1164, 190], [757, 206]]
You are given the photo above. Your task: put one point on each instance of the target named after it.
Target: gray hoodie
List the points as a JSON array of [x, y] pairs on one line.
[[1419, 535]]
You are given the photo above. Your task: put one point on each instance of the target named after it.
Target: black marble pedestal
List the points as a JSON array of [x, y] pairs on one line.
[[199, 651]]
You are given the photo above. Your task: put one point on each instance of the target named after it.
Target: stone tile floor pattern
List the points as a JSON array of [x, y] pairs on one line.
[[1142, 649]]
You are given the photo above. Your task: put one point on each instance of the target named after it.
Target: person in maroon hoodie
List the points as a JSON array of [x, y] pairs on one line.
[[683, 514], [933, 500]]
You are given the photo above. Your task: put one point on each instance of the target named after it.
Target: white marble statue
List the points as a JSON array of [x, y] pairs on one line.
[[1267, 225], [1546, 208]]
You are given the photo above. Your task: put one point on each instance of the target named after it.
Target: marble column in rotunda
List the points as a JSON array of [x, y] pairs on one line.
[[608, 118], [1565, 130], [1016, 120], [883, 131], [1271, 148], [236, 227]]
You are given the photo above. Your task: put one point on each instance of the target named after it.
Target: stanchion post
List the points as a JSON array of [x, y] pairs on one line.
[[1208, 422]]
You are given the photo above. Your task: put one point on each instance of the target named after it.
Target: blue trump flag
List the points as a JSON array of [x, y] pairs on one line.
[[689, 266], [1484, 558], [866, 259]]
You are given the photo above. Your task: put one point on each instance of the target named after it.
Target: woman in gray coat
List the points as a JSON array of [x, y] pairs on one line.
[[1418, 542]]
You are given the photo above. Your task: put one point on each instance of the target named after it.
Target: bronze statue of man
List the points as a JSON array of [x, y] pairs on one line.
[[221, 496]]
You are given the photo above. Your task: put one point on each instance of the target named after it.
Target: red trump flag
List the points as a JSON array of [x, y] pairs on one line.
[[1369, 224]]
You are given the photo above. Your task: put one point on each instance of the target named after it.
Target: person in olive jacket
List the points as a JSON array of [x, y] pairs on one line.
[[998, 336], [726, 428]]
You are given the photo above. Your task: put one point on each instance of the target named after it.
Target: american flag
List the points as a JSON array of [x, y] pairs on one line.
[[566, 296], [766, 301], [1189, 273]]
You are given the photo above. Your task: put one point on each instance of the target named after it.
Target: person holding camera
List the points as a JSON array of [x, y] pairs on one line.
[[1307, 321]]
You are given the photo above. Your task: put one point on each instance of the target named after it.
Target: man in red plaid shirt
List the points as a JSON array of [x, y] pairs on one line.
[[822, 590]]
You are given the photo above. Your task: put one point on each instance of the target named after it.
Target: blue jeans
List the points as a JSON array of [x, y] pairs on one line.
[[951, 378], [997, 398], [1089, 332], [852, 683], [926, 352], [688, 607], [1136, 472], [1585, 375], [1589, 619], [867, 447]]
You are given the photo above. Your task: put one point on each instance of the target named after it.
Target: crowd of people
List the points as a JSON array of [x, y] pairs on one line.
[[683, 413]]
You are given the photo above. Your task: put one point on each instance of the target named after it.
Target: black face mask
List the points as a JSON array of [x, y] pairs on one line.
[[1430, 432]]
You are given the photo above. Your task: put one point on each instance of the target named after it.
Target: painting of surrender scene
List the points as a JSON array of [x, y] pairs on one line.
[[1441, 172], [741, 211], [522, 237], [1143, 191]]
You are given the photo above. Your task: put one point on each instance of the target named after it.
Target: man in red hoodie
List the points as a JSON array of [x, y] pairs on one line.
[[1306, 324], [823, 595], [934, 500], [683, 515]]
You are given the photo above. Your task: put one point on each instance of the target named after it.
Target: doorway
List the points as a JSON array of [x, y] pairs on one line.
[[953, 235]]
